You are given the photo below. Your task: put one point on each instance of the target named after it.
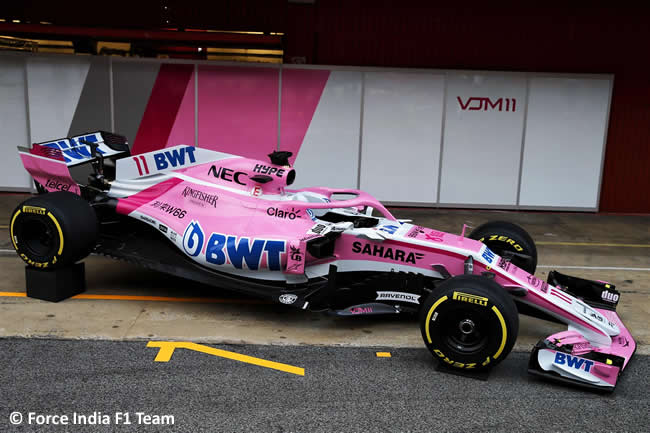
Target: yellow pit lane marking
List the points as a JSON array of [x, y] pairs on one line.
[[593, 244], [148, 298], [383, 354], [166, 350]]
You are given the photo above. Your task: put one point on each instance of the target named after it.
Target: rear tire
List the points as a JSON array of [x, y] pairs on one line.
[[469, 322], [53, 230], [502, 237]]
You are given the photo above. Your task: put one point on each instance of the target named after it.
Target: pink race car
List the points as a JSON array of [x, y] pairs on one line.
[[231, 222]]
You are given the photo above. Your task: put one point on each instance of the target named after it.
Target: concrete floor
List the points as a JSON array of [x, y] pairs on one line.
[[590, 243], [345, 389]]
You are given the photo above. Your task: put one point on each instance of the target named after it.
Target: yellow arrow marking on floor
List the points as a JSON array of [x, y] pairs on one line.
[[166, 349]]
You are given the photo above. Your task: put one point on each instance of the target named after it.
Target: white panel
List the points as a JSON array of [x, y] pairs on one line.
[[565, 128], [54, 86], [481, 152], [402, 121], [329, 155], [13, 123]]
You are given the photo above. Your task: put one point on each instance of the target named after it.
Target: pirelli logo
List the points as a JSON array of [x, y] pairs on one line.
[[34, 209], [472, 299]]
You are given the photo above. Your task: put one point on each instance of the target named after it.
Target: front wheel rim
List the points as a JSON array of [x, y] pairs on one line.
[[465, 332]]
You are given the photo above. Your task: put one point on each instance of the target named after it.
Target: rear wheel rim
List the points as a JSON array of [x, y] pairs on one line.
[[37, 238]]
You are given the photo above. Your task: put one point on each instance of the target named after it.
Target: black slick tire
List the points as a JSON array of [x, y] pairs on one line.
[[503, 237], [53, 230], [469, 322]]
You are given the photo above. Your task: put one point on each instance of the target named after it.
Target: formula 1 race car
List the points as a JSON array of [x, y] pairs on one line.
[[231, 222]]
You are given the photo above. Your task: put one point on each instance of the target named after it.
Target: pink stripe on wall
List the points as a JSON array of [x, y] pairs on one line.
[[183, 129], [301, 92], [238, 109]]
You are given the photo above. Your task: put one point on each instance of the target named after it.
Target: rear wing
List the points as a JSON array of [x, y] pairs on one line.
[[76, 150]]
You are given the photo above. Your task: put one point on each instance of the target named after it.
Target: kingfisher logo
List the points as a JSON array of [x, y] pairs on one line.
[[573, 361], [240, 252], [486, 104]]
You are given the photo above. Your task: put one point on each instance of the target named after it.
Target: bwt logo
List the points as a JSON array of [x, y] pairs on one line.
[[166, 159], [476, 103], [241, 252], [573, 361], [174, 158]]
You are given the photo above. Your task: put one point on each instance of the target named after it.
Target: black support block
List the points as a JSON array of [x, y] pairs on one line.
[[55, 285]]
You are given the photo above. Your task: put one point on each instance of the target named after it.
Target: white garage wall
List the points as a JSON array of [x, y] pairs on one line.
[[564, 142], [53, 89], [484, 121], [402, 124], [411, 137], [329, 155], [13, 124]]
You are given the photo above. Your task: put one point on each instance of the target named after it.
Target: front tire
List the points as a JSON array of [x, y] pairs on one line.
[[504, 237], [53, 230], [469, 322]]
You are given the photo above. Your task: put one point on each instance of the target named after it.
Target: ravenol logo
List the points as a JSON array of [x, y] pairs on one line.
[[488, 255], [573, 361], [472, 299]]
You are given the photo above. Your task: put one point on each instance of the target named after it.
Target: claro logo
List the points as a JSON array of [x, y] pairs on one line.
[[486, 104]]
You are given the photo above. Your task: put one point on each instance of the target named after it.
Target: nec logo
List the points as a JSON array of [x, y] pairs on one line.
[[174, 157], [573, 361], [476, 103], [227, 174]]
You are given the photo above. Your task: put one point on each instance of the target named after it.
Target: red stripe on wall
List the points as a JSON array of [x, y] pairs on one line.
[[165, 100]]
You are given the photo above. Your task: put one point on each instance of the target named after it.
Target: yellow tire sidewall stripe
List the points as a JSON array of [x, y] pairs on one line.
[[11, 229], [504, 333], [433, 307], [58, 227]]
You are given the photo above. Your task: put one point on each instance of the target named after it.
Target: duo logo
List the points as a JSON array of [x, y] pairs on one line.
[[174, 157], [488, 255], [573, 361], [221, 248]]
